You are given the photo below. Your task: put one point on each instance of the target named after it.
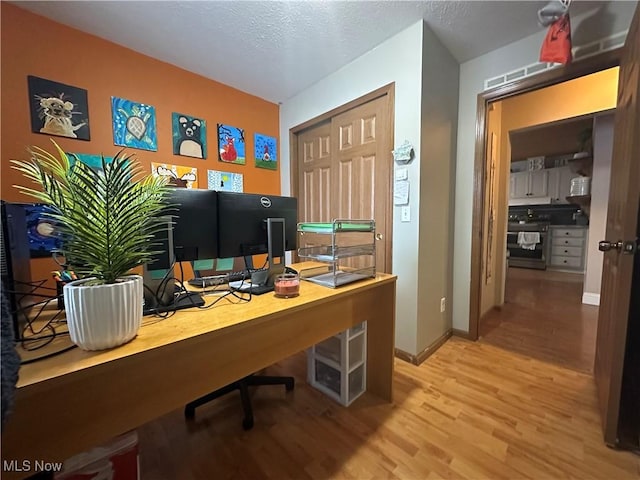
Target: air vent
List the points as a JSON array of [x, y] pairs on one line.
[[582, 51]]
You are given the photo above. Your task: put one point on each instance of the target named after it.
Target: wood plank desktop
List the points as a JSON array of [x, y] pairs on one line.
[[69, 403]]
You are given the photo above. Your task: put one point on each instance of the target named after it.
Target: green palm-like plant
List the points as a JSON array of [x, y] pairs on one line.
[[107, 217]]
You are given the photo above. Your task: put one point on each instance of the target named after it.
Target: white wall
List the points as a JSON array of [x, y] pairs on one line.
[[440, 72], [602, 152], [613, 18], [398, 60]]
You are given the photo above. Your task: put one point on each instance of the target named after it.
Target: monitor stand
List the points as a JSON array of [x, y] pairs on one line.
[[159, 284], [263, 281]]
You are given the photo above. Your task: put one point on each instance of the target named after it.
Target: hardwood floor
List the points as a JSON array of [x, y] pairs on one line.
[[470, 411], [543, 317]]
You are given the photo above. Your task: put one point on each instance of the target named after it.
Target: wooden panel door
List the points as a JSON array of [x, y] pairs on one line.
[[361, 169], [314, 173], [622, 219]]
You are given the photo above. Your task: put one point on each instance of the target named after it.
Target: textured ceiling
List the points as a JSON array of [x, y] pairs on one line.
[[275, 49]]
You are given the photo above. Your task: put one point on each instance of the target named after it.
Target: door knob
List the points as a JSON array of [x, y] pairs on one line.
[[606, 245], [378, 236], [628, 248]]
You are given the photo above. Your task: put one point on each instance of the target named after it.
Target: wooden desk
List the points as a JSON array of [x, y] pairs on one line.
[[69, 403]]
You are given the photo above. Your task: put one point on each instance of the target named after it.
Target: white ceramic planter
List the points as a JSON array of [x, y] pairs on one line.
[[103, 316]]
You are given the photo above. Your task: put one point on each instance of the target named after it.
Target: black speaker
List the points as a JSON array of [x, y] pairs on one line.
[[15, 266]]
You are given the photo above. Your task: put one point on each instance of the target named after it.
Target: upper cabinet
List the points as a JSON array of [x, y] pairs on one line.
[[545, 158], [533, 184], [560, 183]]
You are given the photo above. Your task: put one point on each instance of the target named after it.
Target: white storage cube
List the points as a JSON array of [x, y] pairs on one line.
[[337, 366]]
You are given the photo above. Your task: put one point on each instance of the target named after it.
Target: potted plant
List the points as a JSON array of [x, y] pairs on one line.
[[107, 218]]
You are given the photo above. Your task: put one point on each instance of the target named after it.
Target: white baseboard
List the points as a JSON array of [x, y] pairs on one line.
[[591, 298]]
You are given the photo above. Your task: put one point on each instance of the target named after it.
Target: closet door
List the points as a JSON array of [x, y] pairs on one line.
[[314, 173], [344, 169], [361, 171]]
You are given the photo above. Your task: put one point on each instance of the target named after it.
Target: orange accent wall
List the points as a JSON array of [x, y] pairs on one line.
[[34, 45]]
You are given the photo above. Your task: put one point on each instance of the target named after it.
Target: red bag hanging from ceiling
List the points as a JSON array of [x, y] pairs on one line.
[[556, 47]]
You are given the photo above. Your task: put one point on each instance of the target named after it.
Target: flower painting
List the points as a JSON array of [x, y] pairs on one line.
[[58, 109], [225, 181], [179, 176], [189, 136], [134, 124], [231, 144], [265, 152]]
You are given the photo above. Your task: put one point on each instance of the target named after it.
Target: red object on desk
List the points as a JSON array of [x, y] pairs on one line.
[[287, 285]]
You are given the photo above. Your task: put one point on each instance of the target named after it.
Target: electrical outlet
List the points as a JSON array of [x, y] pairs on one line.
[[443, 304], [405, 214]]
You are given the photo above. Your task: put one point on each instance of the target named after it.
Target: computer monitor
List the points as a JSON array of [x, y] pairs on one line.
[[242, 223], [190, 234], [195, 224]]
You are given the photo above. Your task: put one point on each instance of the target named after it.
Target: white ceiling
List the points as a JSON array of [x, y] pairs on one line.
[[275, 49]]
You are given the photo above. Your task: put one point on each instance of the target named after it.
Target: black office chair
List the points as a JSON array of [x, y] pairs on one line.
[[242, 385]]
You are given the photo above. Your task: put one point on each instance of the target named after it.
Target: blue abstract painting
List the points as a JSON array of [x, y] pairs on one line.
[[93, 161], [134, 124], [265, 151]]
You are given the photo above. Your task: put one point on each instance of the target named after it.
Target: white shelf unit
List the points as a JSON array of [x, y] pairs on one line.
[[347, 247], [337, 366]]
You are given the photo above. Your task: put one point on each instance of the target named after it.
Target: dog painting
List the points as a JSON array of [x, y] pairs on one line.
[[189, 136], [58, 109]]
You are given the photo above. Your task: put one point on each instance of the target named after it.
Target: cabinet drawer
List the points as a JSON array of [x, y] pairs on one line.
[[568, 262], [566, 251], [568, 232], [567, 241]]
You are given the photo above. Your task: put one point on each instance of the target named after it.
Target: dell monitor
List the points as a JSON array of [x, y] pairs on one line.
[[251, 224], [242, 223]]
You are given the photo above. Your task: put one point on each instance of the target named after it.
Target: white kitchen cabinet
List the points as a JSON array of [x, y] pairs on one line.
[[531, 184], [560, 183]]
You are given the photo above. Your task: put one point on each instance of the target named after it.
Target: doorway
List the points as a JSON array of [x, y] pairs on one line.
[[614, 339], [540, 267]]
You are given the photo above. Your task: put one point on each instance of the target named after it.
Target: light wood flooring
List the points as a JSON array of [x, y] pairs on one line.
[[470, 411], [544, 317]]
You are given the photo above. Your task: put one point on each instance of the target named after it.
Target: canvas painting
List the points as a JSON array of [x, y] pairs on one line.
[[265, 152], [189, 136], [179, 176], [42, 230], [225, 181], [58, 109], [134, 124], [231, 144], [93, 161]]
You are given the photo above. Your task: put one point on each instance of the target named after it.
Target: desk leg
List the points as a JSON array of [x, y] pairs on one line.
[[380, 342]]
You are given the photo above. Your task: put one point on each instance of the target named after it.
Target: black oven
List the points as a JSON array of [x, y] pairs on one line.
[[526, 250]]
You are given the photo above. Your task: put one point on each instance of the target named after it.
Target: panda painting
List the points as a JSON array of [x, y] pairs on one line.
[[189, 136]]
